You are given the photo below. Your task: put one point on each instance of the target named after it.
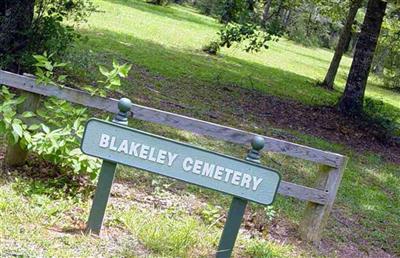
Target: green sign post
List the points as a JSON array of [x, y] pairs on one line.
[[116, 143]]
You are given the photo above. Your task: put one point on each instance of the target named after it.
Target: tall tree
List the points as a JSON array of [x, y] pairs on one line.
[[341, 45], [352, 99], [15, 24]]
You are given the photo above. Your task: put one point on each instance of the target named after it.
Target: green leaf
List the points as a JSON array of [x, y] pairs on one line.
[[27, 137], [17, 129], [124, 70], [15, 137], [28, 114], [45, 128], [33, 127], [103, 70], [5, 90], [60, 64], [115, 64], [20, 100], [40, 58], [62, 78], [115, 81]]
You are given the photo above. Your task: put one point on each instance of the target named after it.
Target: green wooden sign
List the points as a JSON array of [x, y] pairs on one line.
[[131, 147]]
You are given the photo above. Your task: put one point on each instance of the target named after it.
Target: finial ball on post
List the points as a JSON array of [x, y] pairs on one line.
[[124, 105], [257, 143]]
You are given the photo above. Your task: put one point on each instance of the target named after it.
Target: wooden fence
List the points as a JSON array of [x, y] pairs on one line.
[[319, 199]]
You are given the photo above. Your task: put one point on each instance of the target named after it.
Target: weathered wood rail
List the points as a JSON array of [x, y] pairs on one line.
[[320, 199]]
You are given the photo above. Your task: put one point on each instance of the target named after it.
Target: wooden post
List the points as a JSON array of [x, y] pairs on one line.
[[237, 208], [15, 154], [316, 215], [106, 178]]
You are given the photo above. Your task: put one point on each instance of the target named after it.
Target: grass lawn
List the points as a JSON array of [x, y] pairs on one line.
[[156, 217], [167, 41]]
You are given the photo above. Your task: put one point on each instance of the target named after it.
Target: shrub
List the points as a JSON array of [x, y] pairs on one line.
[[56, 134], [212, 48], [382, 120], [251, 35]]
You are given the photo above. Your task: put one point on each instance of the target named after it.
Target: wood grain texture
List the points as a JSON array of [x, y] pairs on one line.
[[316, 215]]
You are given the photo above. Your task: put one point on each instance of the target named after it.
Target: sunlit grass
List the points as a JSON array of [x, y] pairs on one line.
[[167, 40]]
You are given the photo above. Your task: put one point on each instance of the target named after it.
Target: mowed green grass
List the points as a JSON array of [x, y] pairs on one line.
[[168, 40]]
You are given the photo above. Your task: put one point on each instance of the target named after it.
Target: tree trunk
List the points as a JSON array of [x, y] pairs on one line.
[[308, 25], [351, 102], [15, 23], [341, 45], [287, 18], [266, 15]]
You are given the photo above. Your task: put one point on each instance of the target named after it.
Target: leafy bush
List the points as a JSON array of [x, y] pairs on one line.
[[383, 119], [11, 124], [56, 134], [58, 146], [212, 48], [45, 70], [112, 81], [250, 34], [61, 147]]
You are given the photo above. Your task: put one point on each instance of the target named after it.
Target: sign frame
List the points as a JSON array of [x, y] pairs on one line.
[[158, 137]]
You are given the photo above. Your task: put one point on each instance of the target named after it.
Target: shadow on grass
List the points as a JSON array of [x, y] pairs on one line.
[[166, 11]]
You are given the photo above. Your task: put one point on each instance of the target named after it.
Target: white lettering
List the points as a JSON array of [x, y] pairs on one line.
[[236, 177], [187, 164], [151, 155], [112, 144], [134, 149], [104, 140], [229, 172], [197, 166], [144, 151], [208, 169], [123, 147], [162, 154], [246, 181], [218, 172], [257, 181], [171, 158]]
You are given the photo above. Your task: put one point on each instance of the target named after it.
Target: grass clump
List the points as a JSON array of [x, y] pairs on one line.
[[171, 234], [264, 249]]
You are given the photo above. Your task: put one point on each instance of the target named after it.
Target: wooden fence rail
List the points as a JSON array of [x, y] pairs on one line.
[[320, 199]]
